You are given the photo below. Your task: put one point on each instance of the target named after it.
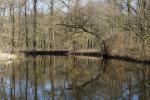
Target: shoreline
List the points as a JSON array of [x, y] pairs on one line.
[[5, 58], [86, 53]]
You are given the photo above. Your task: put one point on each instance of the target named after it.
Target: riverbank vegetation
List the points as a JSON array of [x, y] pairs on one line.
[[115, 27]]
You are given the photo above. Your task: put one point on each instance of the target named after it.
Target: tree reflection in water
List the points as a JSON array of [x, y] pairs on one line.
[[74, 78]]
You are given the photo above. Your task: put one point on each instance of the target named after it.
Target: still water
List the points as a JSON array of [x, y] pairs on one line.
[[74, 78]]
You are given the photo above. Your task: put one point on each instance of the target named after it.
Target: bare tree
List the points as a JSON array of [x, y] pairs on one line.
[[35, 24], [12, 17], [26, 24]]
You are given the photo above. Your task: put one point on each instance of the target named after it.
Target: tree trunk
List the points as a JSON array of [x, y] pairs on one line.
[[12, 25], [19, 30], [52, 10], [35, 24], [26, 25]]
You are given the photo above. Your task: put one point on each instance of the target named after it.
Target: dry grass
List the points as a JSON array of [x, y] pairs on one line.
[[7, 56]]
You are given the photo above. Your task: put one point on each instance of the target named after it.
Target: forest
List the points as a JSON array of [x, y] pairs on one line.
[[74, 49], [119, 27]]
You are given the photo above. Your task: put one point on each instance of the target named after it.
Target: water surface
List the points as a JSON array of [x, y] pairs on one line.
[[74, 78]]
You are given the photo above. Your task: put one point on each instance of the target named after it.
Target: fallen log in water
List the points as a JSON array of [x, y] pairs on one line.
[[129, 59]]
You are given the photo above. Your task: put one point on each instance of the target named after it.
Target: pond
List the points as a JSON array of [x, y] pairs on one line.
[[74, 78]]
